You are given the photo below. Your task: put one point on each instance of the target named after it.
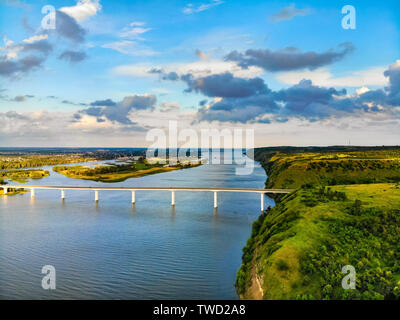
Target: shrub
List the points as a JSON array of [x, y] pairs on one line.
[[282, 265]]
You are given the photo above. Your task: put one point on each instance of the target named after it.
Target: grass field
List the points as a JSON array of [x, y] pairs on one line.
[[298, 248], [297, 169]]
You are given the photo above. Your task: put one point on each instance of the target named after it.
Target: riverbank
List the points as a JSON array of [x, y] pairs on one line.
[[12, 192], [298, 248]]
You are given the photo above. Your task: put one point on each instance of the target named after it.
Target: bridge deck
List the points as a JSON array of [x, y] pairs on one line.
[[284, 191]]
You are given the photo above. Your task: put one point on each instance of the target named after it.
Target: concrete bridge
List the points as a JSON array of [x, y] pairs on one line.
[[96, 190]]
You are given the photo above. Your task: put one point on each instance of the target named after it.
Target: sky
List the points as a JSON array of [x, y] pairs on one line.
[[108, 72]]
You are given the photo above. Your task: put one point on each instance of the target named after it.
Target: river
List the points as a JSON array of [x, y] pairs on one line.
[[114, 250]]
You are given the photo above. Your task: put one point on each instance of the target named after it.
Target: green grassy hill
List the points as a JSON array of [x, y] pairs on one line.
[[298, 248], [297, 169]]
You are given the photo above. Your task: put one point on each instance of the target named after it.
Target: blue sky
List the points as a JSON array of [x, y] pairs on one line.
[[130, 49]]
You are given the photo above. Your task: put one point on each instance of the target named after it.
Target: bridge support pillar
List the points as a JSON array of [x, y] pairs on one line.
[[133, 197], [172, 197], [262, 202], [5, 190], [215, 199], [96, 196], [62, 194], [32, 193]]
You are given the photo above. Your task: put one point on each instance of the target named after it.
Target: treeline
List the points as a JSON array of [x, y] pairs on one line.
[[38, 161], [354, 165], [23, 174]]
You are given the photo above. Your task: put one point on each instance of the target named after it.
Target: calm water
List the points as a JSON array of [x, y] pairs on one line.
[[115, 251]]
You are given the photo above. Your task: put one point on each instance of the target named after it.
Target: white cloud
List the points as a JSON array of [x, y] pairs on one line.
[[197, 69], [137, 24], [170, 106], [190, 8], [289, 13], [361, 91], [11, 50], [89, 123], [132, 48], [134, 32], [323, 77], [83, 9], [36, 38]]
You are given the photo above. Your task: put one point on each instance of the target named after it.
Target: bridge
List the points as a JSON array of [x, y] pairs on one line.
[[96, 190]]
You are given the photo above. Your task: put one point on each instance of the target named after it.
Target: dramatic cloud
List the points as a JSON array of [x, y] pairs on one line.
[[10, 68], [238, 109], [119, 112], [42, 46], [172, 76], [104, 103], [198, 69], [13, 50], [35, 49], [83, 9], [139, 102], [191, 8], [289, 13], [303, 100], [289, 58], [310, 102], [73, 56], [34, 54], [68, 28], [225, 85], [393, 73]]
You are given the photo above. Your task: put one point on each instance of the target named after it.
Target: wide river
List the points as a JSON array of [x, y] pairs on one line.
[[114, 250]]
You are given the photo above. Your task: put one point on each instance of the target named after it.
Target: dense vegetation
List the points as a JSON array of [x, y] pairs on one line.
[[121, 172], [22, 175], [32, 161], [338, 216]]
